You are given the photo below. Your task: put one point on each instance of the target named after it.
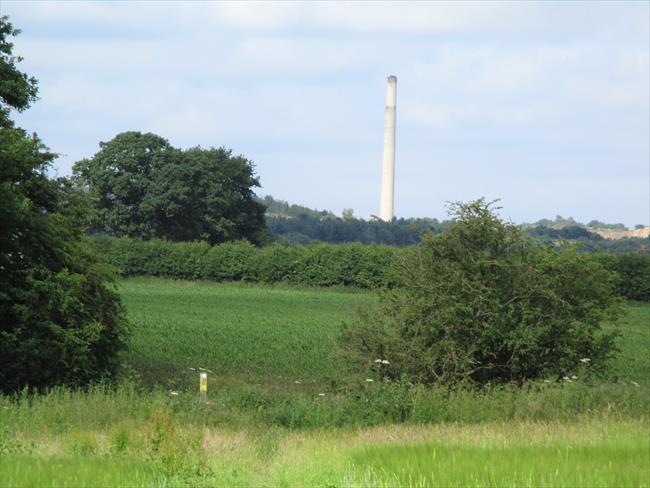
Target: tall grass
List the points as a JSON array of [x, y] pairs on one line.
[[524, 465], [78, 472]]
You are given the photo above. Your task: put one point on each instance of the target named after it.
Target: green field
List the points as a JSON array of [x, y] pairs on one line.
[[234, 329], [283, 411]]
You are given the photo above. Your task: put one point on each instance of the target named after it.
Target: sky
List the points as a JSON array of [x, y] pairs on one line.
[[543, 105]]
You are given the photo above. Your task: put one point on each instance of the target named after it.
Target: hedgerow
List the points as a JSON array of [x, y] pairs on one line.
[[358, 265], [354, 265]]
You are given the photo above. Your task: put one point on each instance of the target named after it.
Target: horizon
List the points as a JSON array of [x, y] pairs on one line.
[[543, 106]]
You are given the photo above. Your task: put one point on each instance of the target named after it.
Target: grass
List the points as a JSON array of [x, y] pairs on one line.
[[160, 452], [279, 413], [633, 362], [18, 471], [526, 465]]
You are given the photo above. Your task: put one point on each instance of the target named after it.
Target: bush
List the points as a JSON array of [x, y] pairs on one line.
[[482, 305], [634, 272]]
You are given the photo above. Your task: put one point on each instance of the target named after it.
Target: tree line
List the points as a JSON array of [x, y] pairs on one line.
[[294, 224]]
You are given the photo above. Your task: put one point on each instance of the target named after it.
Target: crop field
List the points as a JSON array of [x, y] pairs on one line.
[[282, 409], [235, 329]]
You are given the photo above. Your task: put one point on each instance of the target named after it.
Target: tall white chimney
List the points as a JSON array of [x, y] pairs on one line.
[[388, 163]]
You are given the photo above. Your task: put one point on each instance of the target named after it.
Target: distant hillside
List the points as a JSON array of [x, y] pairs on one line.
[[302, 225]]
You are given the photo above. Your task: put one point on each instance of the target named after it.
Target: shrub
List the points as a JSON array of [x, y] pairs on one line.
[[634, 272], [480, 304]]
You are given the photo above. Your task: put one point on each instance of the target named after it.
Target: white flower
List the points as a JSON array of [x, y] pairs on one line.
[[634, 383], [174, 393], [369, 380], [321, 394], [378, 360], [574, 377], [385, 361], [585, 360], [297, 382], [546, 381], [192, 369]]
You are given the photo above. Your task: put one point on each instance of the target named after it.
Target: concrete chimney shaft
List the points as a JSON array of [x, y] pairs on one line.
[[388, 163]]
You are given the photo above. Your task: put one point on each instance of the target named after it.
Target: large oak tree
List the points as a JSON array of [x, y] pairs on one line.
[[143, 187]]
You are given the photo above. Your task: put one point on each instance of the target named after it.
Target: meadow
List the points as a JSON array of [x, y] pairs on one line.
[[283, 410]]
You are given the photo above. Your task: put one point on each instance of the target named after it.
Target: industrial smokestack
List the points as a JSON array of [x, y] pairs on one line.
[[388, 163]]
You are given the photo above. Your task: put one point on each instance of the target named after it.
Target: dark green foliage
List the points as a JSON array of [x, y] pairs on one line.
[[306, 228], [142, 187], [567, 232], [58, 322], [633, 270], [480, 304], [295, 224]]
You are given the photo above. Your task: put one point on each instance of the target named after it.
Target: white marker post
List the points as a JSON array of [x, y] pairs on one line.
[[203, 387]]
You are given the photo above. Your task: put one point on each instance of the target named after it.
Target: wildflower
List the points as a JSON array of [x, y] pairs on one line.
[[369, 380], [385, 361], [585, 360], [574, 377], [297, 382], [635, 383], [192, 369], [378, 361], [321, 394], [546, 381], [174, 393]]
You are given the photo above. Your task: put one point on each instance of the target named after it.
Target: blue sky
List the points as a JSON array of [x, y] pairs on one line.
[[544, 105]]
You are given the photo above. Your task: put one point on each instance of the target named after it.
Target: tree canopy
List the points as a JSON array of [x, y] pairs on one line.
[[140, 186], [17, 90], [59, 323]]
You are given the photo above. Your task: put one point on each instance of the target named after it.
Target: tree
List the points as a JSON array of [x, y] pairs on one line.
[[347, 214], [17, 90], [481, 304], [59, 323], [143, 187]]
